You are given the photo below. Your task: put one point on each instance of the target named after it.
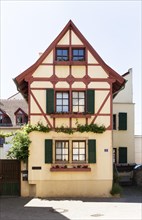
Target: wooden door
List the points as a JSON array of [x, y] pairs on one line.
[[10, 177]]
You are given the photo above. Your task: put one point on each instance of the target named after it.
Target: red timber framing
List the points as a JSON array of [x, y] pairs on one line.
[[114, 80]]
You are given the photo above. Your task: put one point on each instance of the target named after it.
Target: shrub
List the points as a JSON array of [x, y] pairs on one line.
[[116, 189], [20, 147]]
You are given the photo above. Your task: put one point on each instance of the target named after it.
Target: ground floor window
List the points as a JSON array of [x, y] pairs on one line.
[[122, 154], [70, 151], [61, 150], [75, 150], [79, 151]]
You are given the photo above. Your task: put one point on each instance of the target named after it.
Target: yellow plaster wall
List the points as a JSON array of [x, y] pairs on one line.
[[43, 71], [99, 98], [75, 40], [73, 188], [81, 121], [62, 71], [99, 85], [34, 107], [91, 59], [106, 108], [103, 120], [100, 172], [41, 84], [62, 84], [49, 58], [24, 184], [78, 85], [96, 72], [40, 96], [37, 157], [39, 118], [78, 71], [64, 40], [62, 121]]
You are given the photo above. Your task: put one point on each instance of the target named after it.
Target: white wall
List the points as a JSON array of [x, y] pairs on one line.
[[123, 102], [126, 95]]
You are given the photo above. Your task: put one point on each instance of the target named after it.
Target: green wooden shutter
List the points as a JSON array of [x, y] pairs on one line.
[[90, 101], [122, 121], [48, 151], [122, 154], [49, 101], [91, 151]]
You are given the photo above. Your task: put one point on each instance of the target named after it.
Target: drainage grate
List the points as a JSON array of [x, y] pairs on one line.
[[59, 210]]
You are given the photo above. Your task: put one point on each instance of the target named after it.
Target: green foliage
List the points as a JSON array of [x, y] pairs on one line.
[[64, 130], [115, 174], [90, 128], [82, 128], [2, 135], [116, 189], [37, 127], [21, 140], [20, 147]]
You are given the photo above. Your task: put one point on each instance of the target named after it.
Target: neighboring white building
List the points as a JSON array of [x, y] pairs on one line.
[[138, 149], [123, 124], [13, 114]]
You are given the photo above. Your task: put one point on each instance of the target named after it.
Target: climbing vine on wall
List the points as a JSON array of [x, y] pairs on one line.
[[21, 141]]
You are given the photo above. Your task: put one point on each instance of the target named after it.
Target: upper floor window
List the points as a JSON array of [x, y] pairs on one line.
[[62, 101], [78, 54], [78, 101], [62, 54], [70, 101]]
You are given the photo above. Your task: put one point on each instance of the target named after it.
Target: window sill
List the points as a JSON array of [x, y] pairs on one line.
[[70, 63], [65, 115], [70, 169]]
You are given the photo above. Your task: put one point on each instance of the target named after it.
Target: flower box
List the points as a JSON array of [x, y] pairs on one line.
[[65, 168], [53, 169]]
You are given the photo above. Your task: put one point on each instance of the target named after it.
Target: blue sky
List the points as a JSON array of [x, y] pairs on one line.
[[113, 28]]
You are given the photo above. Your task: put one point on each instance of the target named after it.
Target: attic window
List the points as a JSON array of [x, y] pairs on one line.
[[21, 117], [1, 117], [62, 54], [78, 54]]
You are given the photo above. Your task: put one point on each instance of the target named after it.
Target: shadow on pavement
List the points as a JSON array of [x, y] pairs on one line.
[[12, 208], [16, 208]]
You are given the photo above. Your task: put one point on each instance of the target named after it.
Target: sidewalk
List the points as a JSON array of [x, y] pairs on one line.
[[129, 206]]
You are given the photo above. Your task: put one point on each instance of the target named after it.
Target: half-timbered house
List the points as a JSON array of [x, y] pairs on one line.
[[70, 86]]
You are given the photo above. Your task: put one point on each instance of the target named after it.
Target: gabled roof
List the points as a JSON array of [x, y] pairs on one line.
[[22, 81], [9, 107]]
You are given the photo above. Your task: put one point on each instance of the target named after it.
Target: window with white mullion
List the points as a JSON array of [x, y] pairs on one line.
[[78, 151], [62, 151], [62, 102], [78, 101]]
